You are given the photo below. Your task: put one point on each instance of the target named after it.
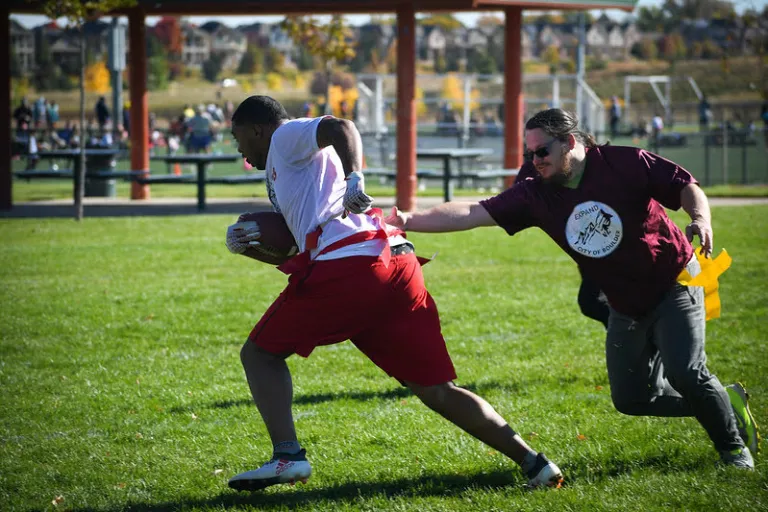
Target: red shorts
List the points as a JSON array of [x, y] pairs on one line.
[[385, 311]]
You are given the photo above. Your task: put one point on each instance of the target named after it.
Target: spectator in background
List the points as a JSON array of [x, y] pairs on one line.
[[200, 130], [615, 116], [127, 117], [52, 115], [705, 114], [229, 109], [38, 112], [657, 125], [102, 113], [189, 112], [23, 116]]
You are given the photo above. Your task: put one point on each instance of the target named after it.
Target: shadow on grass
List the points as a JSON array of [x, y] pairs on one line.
[[362, 396], [282, 497]]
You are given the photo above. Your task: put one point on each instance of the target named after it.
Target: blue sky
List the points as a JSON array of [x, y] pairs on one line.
[[468, 19]]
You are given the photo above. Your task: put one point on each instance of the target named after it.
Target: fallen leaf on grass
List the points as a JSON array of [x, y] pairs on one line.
[[194, 416], [121, 485], [581, 437], [532, 435], [599, 388], [57, 500]]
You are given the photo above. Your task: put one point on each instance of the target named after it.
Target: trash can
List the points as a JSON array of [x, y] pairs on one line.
[[100, 187]]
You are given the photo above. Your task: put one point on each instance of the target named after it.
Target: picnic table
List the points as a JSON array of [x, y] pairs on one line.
[[202, 161], [447, 155], [99, 163]]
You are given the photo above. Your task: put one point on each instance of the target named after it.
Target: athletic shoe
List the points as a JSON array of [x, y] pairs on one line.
[[283, 468], [747, 427], [740, 458], [544, 473]]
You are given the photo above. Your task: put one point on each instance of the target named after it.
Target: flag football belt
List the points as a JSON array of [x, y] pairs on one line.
[[399, 250], [711, 269]]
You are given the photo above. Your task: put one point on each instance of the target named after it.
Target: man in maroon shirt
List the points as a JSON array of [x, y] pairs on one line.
[[604, 206], [592, 301]]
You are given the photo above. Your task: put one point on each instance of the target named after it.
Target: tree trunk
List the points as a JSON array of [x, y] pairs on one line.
[[80, 171]]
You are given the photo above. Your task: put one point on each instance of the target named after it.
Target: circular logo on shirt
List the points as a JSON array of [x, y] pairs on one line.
[[594, 229]]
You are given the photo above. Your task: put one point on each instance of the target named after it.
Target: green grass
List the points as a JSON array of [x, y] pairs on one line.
[[122, 387]]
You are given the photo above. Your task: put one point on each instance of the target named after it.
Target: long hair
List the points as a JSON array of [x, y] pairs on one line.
[[559, 123]]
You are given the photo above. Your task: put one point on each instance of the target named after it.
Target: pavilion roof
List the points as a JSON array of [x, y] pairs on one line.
[[261, 7]]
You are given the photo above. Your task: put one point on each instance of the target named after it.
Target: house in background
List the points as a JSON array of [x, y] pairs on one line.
[[281, 41], [229, 44], [195, 46], [23, 47], [430, 44]]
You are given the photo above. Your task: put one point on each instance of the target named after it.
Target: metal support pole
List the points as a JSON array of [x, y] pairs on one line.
[[581, 66]]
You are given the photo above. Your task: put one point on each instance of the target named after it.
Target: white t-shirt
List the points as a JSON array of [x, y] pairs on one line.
[[306, 184]]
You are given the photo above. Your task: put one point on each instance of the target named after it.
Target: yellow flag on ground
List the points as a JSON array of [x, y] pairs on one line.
[[711, 268]]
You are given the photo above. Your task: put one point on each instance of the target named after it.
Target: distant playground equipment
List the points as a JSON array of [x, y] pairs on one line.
[[664, 97], [477, 113]]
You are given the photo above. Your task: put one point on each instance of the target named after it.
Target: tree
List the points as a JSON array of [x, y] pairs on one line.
[[367, 44], [168, 34], [646, 50], [15, 66], [212, 68], [97, 78], [158, 70], [77, 12], [552, 57], [305, 61], [274, 61], [330, 42], [489, 20], [251, 62], [483, 64], [447, 22], [45, 70], [673, 47]]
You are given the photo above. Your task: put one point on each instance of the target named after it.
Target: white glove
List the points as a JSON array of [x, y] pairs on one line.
[[355, 198], [241, 235]]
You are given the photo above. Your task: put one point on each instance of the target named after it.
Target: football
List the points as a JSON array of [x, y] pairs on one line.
[[276, 241]]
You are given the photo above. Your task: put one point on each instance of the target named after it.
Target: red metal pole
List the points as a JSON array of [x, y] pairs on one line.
[[513, 91], [406, 108], [139, 120], [6, 176]]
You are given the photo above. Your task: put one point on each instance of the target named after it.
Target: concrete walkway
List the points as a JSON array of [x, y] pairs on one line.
[[104, 207]]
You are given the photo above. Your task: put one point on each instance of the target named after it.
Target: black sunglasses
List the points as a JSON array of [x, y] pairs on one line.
[[541, 152]]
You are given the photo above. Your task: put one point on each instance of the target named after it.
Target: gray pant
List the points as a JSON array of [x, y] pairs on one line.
[[657, 365]]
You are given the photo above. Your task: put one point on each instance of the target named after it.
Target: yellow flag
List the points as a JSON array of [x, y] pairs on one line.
[[711, 268]]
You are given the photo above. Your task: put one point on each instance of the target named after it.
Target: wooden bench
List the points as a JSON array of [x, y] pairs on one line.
[[149, 179], [49, 173], [256, 177], [70, 174], [481, 174]]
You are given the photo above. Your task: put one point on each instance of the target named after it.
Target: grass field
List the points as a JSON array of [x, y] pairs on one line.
[[123, 390]]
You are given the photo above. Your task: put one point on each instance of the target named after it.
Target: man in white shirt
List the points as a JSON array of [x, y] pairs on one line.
[[355, 278]]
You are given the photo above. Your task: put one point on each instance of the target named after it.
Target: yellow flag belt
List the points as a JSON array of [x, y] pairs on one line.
[[711, 268]]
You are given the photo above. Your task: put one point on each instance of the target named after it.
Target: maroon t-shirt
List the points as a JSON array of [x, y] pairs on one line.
[[613, 224]]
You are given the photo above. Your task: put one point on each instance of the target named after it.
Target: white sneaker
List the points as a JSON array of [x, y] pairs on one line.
[[544, 473], [283, 468]]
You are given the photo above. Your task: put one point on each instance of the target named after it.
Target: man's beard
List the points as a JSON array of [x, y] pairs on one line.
[[564, 175]]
